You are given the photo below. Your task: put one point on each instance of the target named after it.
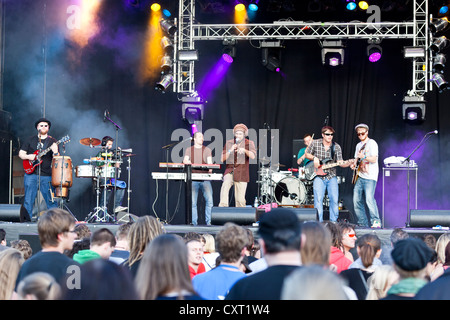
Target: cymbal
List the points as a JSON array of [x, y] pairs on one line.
[[90, 141], [279, 165], [129, 155]]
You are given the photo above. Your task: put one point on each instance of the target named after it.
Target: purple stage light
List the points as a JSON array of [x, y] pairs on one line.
[[374, 57], [215, 76], [227, 58], [412, 115], [334, 62]]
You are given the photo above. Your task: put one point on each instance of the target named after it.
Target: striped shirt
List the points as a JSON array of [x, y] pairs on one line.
[[317, 149]]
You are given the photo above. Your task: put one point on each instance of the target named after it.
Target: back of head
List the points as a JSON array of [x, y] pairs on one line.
[[39, 286], [164, 267], [230, 240], [369, 245], [124, 229], [101, 236], [210, 242], [411, 256], [52, 223], [313, 283], [441, 243], [316, 249], [281, 230], [11, 261], [398, 234], [381, 281]]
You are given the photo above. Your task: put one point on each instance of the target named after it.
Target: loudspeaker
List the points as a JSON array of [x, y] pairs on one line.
[[429, 218], [33, 240], [306, 214], [238, 215], [13, 213]]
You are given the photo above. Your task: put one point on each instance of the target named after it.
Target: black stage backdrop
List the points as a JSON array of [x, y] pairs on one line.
[[46, 73]]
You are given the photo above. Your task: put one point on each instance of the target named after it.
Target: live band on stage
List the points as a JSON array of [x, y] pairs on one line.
[[313, 184]]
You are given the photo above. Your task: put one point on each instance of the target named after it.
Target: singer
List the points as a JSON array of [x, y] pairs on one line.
[[236, 153], [40, 179]]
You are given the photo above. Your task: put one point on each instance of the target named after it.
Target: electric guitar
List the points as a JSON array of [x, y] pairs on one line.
[[311, 172], [30, 165], [357, 167]]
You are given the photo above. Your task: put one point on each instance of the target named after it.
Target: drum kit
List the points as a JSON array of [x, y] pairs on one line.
[[103, 169]]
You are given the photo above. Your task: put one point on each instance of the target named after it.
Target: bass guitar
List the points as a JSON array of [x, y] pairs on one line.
[[357, 167], [30, 165], [311, 172]]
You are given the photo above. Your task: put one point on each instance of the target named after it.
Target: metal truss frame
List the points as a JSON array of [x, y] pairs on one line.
[[417, 30]]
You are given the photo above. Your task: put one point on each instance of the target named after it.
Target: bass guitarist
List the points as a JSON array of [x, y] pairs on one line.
[[365, 178], [41, 176], [319, 150]]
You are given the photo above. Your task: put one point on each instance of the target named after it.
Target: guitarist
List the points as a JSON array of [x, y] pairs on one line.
[[42, 175], [318, 150], [366, 175]]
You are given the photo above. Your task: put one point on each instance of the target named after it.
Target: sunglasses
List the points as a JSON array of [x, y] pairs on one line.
[[43, 125], [351, 235], [361, 133], [329, 134]]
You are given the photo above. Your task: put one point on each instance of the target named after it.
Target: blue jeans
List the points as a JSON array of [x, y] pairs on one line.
[[207, 190], [331, 186], [31, 190], [367, 187]]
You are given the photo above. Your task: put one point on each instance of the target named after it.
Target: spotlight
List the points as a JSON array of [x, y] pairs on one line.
[[165, 82], [167, 44], [155, 7], [168, 27], [413, 109], [192, 109], [271, 55], [227, 58], [166, 64], [166, 13], [439, 81], [332, 53], [439, 44], [253, 7], [363, 5], [239, 7], [443, 9], [351, 6], [374, 52], [413, 52], [229, 47], [188, 55], [438, 25], [439, 63]]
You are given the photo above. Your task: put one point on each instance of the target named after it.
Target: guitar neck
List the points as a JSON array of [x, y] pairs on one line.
[[338, 163]]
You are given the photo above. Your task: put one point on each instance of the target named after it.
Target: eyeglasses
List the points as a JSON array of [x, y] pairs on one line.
[[361, 133], [328, 134]]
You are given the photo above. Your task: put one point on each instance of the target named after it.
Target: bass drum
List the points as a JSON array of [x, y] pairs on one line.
[[290, 191]]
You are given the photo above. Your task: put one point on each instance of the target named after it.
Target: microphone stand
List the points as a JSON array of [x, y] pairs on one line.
[[421, 143]]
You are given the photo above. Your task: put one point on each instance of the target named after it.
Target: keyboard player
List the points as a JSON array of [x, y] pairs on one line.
[[199, 154]]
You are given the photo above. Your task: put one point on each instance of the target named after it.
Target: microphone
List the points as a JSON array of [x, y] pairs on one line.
[[105, 115], [432, 132], [266, 125]]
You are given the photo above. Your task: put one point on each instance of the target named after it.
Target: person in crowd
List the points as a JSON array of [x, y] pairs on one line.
[[141, 233], [78, 245], [411, 257], [122, 249], [38, 286], [23, 246], [82, 231], [101, 279], [11, 260], [381, 281], [441, 244], [101, 246], [164, 271], [251, 243], [56, 234], [338, 260], [348, 238], [316, 249], [209, 251], [369, 250], [2, 240], [232, 241], [313, 282], [280, 240], [195, 256]]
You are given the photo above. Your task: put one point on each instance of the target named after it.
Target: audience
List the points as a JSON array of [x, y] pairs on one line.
[[338, 260], [348, 239], [195, 256], [280, 240], [316, 249], [3, 240], [122, 249], [381, 281], [23, 246], [38, 286], [209, 252], [11, 260], [164, 271], [441, 244], [232, 242], [101, 246]]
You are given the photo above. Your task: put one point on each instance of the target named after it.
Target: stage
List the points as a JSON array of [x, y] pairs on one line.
[[28, 231]]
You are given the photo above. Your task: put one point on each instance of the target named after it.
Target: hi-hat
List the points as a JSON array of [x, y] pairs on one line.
[[90, 141]]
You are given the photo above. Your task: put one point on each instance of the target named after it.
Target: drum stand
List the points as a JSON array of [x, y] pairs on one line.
[[127, 216]]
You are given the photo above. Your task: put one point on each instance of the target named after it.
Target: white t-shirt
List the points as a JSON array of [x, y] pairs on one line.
[[368, 170]]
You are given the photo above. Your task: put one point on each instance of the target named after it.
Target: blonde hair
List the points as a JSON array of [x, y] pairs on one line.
[[41, 285], [11, 261], [441, 243], [141, 233], [210, 242], [381, 281]]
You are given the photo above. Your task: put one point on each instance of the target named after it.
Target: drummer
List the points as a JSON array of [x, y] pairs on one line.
[[108, 154], [301, 158]]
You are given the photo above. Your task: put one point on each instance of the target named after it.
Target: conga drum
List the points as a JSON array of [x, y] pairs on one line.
[[62, 171]]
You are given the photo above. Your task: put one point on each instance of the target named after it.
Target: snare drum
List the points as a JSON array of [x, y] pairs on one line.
[[85, 171]]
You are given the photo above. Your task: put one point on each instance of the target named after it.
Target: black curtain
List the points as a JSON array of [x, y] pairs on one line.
[[300, 99]]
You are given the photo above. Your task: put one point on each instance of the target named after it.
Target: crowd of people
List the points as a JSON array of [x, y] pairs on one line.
[[285, 260]]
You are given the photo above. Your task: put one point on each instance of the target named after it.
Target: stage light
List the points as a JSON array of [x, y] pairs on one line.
[[166, 13], [188, 55], [167, 44], [443, 9], [166, 64], [363, 5], [351, 6], [439, 44], [155, 7], [438, 25], [192, 109], [332, 53], [165, 82], [253, 7], [227, 58], [374, 52], [271, 55], [440, 82], [168, 27], [439, 63], [413, 52], [229, 47], [239, 7], [413, 109]]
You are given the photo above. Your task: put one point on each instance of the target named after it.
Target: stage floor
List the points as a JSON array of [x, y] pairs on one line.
[[28, 231]]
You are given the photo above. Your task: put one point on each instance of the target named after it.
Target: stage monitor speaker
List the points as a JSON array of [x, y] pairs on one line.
[[429, 218], [303, 214], [124, 217], [242, 216], [13, 213], [33, 240]]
